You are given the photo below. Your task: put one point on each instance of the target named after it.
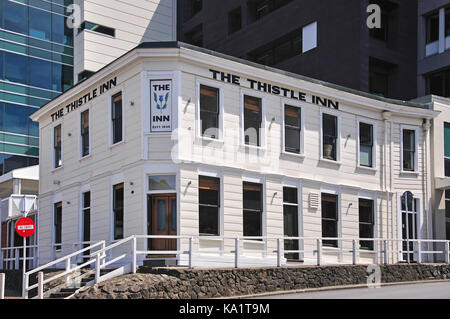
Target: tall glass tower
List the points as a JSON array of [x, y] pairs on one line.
[[36, 65]]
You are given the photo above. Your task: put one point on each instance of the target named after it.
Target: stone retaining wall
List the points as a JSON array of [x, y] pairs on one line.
[[174, 283]]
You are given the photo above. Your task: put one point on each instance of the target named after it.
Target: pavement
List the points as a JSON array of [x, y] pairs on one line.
[[435, 290]]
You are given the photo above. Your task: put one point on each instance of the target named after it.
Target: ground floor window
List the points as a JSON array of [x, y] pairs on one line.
[[290, 218], [447, 214], [330, 219], [118, 201], [209, 206], [366, 223], [57, 219], [409, 210], [253, 209]]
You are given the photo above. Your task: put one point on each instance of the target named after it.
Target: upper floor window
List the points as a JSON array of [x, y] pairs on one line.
[[438, 83], [387, 16], [252, 120], [57, 146], [329, 137], [116, 118], [260, 8], [379, 76], [86, 25], [366, 144], [292, 129], [85, 133], [234, 20], [447, 22], [209, 111], [409, 150], [209, 206], [447, 148], [432, 28]]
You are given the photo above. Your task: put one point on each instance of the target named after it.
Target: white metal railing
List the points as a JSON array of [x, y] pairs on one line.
[[384, 251], [67, 260]]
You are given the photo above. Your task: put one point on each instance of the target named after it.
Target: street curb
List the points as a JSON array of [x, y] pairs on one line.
[[331, 288]]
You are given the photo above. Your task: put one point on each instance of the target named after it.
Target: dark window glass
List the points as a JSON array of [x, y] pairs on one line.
[[260, 8], [379, 76], [85, 75], [15, 17], [447, 213], [409, 150], [118, 205], [86, 25], [209, 205], [16, 68], [447, 148], [234, 20], [86, 217], [365, 144], [439, 83], [278, 50], [57, 219], [209, 111], [366, 223], [292, 129], [329, 127], [329, 219], [57, 146], [196, 6], [195, 36], [40, 73], [12, 162], [85, 133], [2, 63], [432, 28], [62, 78], [252, 120], [253, 209], [61, 33], [40, 24], [116, 114], [290, 221], [447, 22], [16, 118]]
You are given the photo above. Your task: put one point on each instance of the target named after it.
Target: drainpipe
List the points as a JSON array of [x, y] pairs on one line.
[[386, 117], [426, 170]]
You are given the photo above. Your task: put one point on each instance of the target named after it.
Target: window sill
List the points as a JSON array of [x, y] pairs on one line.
[[209, 139], [252, 147], [210, 238], [366, 168], [54, 170], [324, 160], [111, 146], [298, 155], [85, 158], [253, 241], [410, 173]]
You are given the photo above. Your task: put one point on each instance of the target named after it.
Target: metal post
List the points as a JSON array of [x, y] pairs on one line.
[[25, 267], [2, 286], [134, 261], [354, 252], [40, 285], [25, 286], [97, 268], [236, 252], [278, 252], [385, 252], [419, 252], [1, 258], [17, 259], [447, 251], [319, 252], [191, 249]]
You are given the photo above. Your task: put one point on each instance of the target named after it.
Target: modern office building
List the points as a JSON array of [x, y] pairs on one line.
[[434, 48], [172, 139], [36, 65], [327, 40], [41, 56]]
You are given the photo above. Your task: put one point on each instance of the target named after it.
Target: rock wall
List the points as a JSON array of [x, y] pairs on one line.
[[174, 283]]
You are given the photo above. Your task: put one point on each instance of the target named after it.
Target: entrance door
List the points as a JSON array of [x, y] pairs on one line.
[[163, 221], [409, 230]]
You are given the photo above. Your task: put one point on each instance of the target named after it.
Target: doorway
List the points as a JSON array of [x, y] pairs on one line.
[[162, 221], [409, 229]]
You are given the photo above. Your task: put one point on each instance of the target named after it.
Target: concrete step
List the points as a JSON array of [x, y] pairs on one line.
[[160, 263]]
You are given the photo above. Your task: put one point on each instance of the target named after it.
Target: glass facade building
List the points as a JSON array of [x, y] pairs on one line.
[[36, 65]]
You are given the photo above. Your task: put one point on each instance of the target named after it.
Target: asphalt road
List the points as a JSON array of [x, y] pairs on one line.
[[439, 290]]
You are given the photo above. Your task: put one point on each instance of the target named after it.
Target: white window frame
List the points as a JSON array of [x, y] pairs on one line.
[[298, 186], [263, 145], [111, 134], [256, 180], [373, 198], [301, 106], [84, 189], [374, 142], [337, 192], [80, 140], [198, 127], [216, 174], [339, 132], [416, 149], [54, 168]]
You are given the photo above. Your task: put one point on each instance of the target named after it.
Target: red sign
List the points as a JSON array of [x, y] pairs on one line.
[[25, 227]]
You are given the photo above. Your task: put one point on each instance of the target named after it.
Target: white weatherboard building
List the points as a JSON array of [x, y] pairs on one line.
[[135, 150]]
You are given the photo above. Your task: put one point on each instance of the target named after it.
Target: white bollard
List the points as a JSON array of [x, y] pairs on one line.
[[2, 286]]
